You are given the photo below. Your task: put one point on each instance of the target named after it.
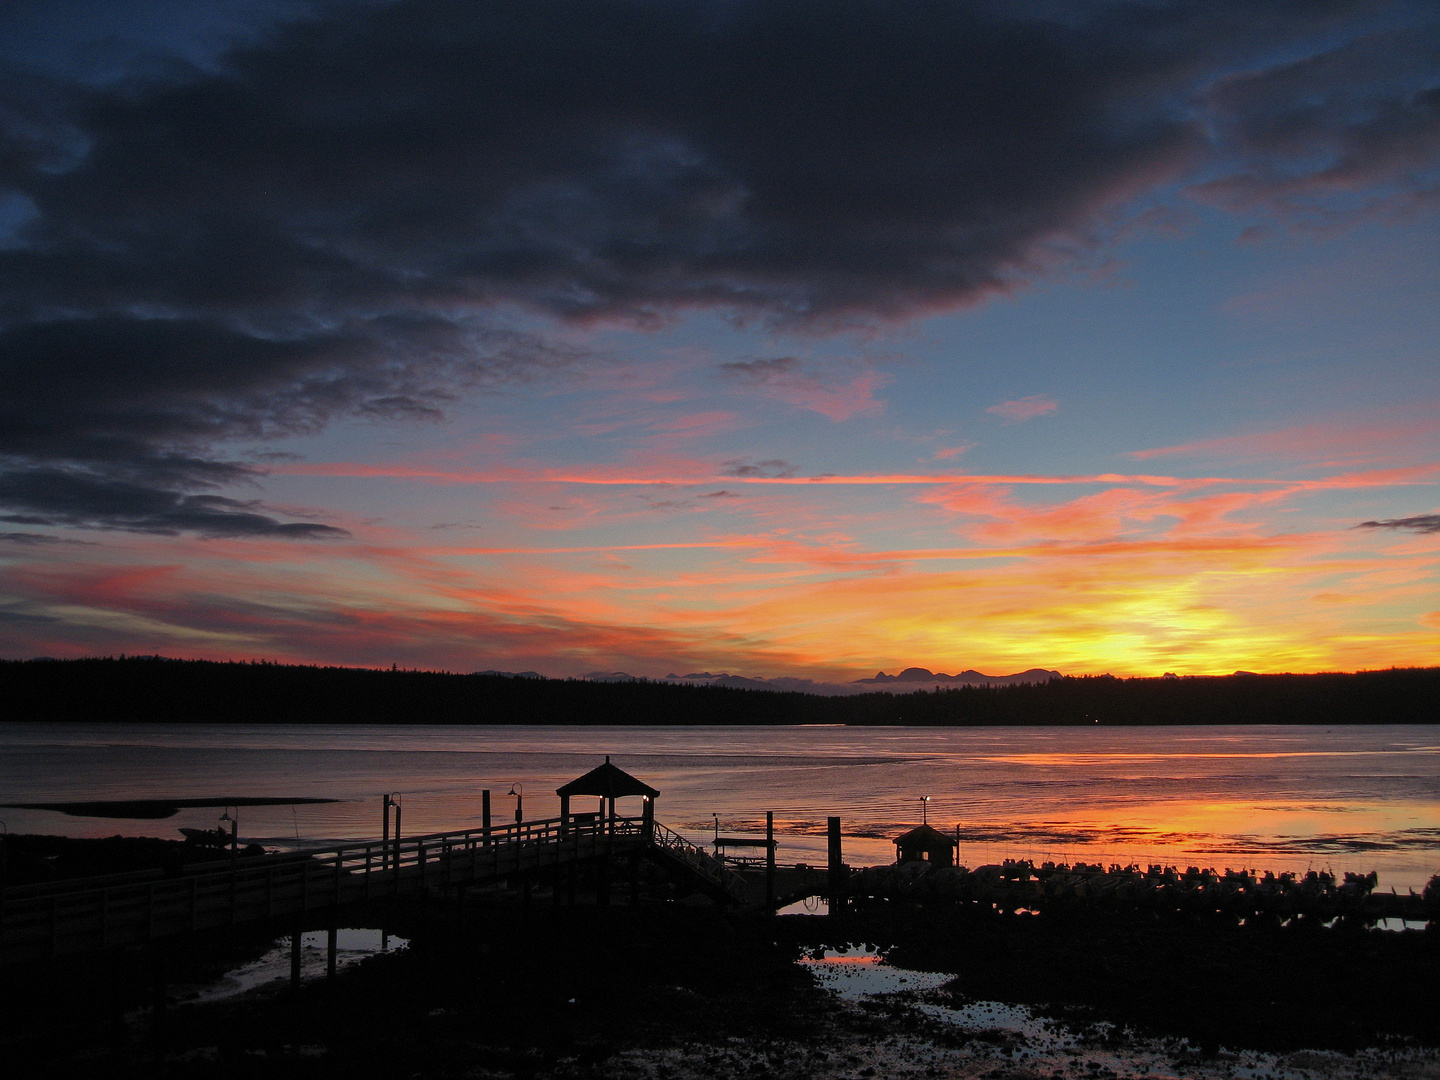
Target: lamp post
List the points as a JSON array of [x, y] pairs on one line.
[[924, 809], [234, 829], [518, 790]]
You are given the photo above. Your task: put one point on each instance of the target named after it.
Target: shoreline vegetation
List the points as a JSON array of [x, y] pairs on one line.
[[161, 690]]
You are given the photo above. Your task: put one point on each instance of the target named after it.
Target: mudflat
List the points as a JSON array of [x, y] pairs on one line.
[[677, 991]]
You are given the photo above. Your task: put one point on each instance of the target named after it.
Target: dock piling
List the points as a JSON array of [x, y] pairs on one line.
[[770, 861], [837, 866]]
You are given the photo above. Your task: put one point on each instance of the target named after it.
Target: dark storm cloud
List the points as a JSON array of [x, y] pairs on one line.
[[29, 539], [1352, 126], [326, 219], [1421, 523], [110, 421], [97, 499]]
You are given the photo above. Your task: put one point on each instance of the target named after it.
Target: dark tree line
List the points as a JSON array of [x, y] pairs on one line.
[[154, 689]]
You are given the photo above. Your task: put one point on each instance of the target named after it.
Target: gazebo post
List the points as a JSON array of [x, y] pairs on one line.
[[647, 817], [564, 816]]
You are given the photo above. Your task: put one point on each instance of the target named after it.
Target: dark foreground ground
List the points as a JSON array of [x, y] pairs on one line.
[[673, 992]]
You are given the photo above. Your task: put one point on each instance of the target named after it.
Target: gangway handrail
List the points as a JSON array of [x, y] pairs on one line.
[[669, 840]]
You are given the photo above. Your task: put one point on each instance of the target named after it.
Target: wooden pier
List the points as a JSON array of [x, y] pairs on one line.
[[39, 922], [69, 918]]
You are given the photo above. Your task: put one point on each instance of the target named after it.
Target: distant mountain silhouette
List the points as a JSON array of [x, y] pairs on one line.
[[912, 675], [780, 684], [907, 682]]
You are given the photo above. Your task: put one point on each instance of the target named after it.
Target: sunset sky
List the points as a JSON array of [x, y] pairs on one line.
[[779, 338]]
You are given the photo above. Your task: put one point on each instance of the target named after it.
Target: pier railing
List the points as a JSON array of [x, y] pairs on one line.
[[49, 920], [702, 862]]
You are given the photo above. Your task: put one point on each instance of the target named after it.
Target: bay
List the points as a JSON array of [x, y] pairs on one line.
[[1270, 798]]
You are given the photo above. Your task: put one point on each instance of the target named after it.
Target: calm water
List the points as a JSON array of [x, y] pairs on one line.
[[1281, 798]]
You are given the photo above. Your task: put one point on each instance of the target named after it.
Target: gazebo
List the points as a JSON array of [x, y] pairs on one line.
[[925, 844], [609, 783]]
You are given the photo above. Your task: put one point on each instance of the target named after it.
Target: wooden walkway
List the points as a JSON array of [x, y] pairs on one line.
[[39, 922]]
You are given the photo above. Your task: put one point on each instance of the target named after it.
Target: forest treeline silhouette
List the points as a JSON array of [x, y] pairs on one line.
[[156, 689]]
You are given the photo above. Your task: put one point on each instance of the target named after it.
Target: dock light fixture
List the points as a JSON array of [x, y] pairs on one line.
[[518, 790], [234, 828], [924, 809]]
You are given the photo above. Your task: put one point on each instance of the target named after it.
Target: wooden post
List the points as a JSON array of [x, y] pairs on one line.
[[397, 847], [837, 867], [385, 834], [770, 861], [485, 816], [564, 816]]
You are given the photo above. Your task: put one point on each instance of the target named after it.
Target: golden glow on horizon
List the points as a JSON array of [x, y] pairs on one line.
[[1133, 575]]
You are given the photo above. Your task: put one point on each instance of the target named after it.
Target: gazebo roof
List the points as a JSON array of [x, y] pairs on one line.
[[924, 836], [607, 781]]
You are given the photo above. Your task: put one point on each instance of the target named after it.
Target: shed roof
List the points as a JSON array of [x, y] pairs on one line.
[[608, 782], [925, 836]]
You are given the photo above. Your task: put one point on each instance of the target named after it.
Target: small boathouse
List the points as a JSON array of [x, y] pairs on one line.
[[925, 844]]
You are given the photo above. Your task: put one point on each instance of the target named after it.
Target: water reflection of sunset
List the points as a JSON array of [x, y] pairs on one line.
[[1270, 798]]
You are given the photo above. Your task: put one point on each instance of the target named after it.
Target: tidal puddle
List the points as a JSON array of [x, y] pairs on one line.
[[1017, 1035], [352, 945]]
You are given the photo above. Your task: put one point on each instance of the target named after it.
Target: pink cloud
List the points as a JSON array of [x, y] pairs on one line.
[[946, 453], [1332, 442], [1025, 408]]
